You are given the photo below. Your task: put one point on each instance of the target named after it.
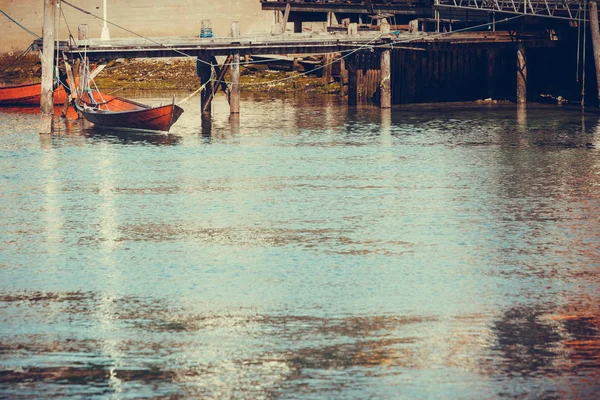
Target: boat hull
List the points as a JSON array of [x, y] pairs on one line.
[[28, 95], [151, 119], [117, 112]]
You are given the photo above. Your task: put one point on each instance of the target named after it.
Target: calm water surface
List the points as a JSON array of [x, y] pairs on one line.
[[307, 250]]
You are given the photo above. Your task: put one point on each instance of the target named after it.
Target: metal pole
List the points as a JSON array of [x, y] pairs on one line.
[[47, 94], [105, 35]]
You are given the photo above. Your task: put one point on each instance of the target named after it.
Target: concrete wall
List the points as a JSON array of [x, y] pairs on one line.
[[146, 17]]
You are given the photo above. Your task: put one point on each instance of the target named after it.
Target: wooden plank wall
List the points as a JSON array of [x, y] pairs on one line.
[[369, 75], [442, 73], [445, 73]]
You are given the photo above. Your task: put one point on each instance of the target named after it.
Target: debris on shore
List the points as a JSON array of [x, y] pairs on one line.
[[180, 74]]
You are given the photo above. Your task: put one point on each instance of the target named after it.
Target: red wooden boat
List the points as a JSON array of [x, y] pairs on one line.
[[28, 94], [117, 112]]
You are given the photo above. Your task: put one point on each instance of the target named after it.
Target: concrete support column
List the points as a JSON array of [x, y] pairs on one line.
[[521, 73], [47, 94], [234, 99], [386, 79]]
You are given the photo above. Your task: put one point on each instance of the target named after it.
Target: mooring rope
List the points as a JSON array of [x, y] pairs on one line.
[[195, 93], [17, 60]]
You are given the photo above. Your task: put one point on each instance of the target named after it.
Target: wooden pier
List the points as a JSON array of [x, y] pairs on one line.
[[421, 66], [390, 66]]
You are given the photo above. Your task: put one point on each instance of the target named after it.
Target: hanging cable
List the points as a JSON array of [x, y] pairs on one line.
[[584, 54], [20, 25], [17, 60], [578, 44]]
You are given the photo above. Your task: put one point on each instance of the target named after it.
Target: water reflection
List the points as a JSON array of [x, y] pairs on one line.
[[529, 342], [131, 137], [306, 249]]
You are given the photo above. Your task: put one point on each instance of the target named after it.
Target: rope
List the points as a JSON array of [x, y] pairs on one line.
[[17, 60], [193, 94], [20, 25]]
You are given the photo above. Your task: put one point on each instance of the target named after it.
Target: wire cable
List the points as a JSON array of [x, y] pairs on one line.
[[20, 25]]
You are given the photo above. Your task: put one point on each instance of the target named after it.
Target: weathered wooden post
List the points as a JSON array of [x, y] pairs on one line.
[[593, 9], [521, 73], [386, 79], [297, 26], [234, 99], [491, 73], [328, 60], [47, 94], [205, 73], [352, 66], [385, 69], [84, 67]]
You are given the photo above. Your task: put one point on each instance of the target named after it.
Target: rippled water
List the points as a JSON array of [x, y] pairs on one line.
[[306, 250]]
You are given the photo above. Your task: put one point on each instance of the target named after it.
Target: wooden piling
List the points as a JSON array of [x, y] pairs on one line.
[[386, 78], [328, 68], [234, 99], [205, 73], [593, 7], [47, 94], [353, 71], [491, 73], [521, 73], [84, 66], [297, 26]]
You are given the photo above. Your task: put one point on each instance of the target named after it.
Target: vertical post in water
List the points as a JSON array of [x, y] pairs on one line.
[[84, 67], [521, 73], [386, 79], [593, 10], [47, 94], [491, 73], [352, 65], [234, 99], [205, 73]]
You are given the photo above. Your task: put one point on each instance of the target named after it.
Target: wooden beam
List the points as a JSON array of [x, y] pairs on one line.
[[219, 82], [286, 17], [221, 74]]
